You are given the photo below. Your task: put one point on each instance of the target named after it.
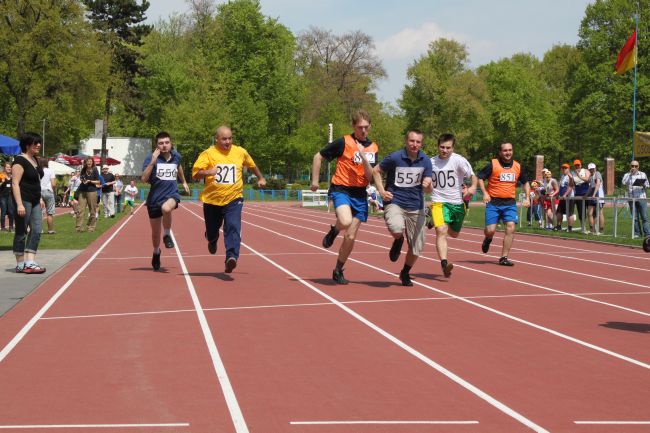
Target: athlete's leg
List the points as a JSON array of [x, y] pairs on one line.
[[343, 217], [156, 224], [508, 238], [348, 240]]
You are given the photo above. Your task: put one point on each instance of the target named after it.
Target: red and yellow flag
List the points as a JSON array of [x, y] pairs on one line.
[[627, 56]]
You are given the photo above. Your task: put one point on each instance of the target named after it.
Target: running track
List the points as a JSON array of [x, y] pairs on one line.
[[558, 343]]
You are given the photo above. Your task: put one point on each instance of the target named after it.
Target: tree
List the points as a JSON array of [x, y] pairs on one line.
[[50, 67], [118, 23]]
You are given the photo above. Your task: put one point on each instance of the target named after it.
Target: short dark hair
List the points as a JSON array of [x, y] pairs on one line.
[[413, 131], [28, 139], [162, 134], [359, 115], [447, 137], [505, 142]]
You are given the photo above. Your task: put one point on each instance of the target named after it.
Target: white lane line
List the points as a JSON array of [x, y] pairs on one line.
[[460, 381], [382, 422], [318, 304], [86, 426], [613, 422], [219, 367], [30, 324], [641, 255], [476, 304], [503, 277], [553, 268]]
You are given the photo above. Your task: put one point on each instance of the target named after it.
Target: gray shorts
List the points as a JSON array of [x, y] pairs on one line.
[[399, 220], [48, 199]]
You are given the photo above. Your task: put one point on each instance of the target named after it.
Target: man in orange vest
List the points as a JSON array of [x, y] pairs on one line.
[[355, 154], [502, 174]]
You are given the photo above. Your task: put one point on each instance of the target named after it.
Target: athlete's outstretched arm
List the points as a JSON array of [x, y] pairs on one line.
[[315, 170], [261, 182]]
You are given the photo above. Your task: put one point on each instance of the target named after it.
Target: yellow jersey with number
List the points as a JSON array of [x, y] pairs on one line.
[[227, 184]]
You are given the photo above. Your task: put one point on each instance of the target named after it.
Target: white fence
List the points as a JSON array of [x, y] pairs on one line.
[[314, 198]]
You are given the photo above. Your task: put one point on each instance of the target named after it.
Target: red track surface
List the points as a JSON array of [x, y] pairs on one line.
[[560, 338]]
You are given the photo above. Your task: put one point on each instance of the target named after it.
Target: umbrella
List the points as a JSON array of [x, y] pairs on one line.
[[107, 161], [9, 146], [67, 159], [59, 169]]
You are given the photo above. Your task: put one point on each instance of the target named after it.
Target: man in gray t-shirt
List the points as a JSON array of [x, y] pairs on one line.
[[595, 206]]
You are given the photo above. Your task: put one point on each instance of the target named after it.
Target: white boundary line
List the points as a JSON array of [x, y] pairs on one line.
[[382, 422], [462, 382], [595, 301], [476, 304], [612, 422], [30, 324], [57, 426], [219, 367]]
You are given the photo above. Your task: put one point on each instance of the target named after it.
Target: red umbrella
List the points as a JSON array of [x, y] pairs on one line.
[[108, 161]]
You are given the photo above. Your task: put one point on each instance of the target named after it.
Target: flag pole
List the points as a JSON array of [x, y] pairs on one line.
[[636, 53]]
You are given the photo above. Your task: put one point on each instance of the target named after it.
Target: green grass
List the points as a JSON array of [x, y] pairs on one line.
[[66, 238]]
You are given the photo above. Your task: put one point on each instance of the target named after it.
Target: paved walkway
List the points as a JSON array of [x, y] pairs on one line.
[[14, 287]]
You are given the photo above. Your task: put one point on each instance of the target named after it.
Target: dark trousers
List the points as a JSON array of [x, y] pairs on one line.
[[230, 216], [7, 209]]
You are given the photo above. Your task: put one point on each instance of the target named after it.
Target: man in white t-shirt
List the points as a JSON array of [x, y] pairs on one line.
[[48, 183], [636, 182], [130, 191], [447, 208]]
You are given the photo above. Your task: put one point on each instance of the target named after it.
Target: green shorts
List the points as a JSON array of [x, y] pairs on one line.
[[450, 214]]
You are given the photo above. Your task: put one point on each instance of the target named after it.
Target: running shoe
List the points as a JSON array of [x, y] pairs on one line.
[[447, 269], [20, 269], [338, 277], [503, 261], [646, 244], [155, 261], [396, 249], [485, 247], [405, 277], [231, 264], [212, 246], [328, 240], [33, 269], [167, 240]]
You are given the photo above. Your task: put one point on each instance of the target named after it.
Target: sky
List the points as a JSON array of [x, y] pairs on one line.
[[403, 29]]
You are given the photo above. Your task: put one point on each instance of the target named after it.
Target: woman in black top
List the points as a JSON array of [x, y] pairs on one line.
[[26, 188], [88, 194], [6, 202]]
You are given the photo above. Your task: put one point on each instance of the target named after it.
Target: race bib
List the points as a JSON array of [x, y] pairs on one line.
[[226, 174], [370, 156], [166, 171], [507, 177], [407, 177]]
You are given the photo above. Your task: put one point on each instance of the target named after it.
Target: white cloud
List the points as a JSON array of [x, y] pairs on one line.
[[411, 42]]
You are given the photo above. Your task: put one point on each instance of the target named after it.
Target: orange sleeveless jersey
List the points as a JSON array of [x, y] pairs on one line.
[[349, 167], [502, 182]]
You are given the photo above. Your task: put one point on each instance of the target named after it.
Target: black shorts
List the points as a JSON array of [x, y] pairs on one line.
[[155, 211]]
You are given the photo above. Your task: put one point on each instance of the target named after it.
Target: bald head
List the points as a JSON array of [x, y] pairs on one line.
[[223, 137]]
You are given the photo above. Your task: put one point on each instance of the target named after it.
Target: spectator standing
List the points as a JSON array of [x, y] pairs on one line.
[[636, 182], [48, 184], [566, 204], [408, 174], [26, 189], [73, 195], [130, 191], [355, 155], [534, 211], [502, 174], [108, 193], [596, 206], [118, 189], [581, 188], [89, 177], [6, 201], [221, 167], [551, 191]]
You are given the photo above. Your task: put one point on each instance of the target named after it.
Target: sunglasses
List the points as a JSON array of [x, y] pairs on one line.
[[634, 166]]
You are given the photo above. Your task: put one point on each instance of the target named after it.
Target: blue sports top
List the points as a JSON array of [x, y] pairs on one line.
[[404, 178], [163, 179]]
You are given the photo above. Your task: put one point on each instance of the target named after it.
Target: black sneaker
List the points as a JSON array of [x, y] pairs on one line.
[[447, 269], [155, 261], [212, 246], [406, 279], [503, 261], [486, 245], [231, 264], [338, 277], [328, 240], [396, 249], [167, 240], [646, 244]]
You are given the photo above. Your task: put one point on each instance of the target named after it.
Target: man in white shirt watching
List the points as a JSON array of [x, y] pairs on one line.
[[636, 182]]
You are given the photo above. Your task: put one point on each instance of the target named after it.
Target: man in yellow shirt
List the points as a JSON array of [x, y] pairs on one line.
[[223, 196]]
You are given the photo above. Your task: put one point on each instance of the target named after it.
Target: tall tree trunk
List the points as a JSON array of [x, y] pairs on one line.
[[107, 110]]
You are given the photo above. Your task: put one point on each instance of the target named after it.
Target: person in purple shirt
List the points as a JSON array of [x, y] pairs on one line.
[[162, 169], [408, 174]]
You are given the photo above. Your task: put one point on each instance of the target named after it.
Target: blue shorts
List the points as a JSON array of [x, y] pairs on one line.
[[507, 213], [359, 206]]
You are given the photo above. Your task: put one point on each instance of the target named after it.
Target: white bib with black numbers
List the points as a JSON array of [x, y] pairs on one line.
[[408, 177], [166, 171], [226, 174]]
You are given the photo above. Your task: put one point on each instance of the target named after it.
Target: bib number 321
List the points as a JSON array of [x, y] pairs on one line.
[[226, 174]]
